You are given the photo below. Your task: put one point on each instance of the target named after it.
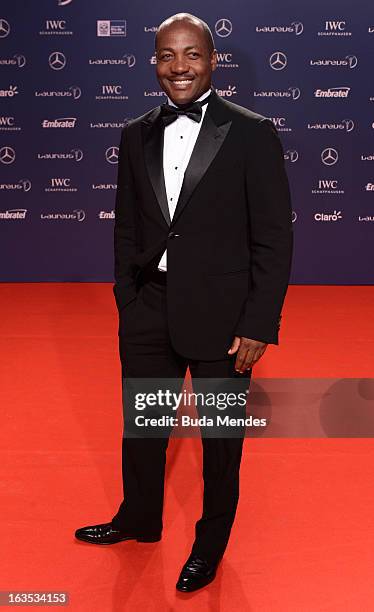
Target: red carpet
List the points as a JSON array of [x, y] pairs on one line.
[[303, 539]]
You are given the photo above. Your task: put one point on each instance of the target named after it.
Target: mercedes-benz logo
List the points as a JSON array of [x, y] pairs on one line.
[[4, 28], [223, 27], [329, 156], [57, 60], [278, 60], [294, 216], [111, 155], [63, 2], [299, 28], [7, 155]]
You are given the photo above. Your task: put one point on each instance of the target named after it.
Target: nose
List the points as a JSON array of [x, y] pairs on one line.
[[179, 65]]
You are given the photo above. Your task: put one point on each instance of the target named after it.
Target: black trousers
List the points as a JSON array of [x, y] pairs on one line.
[[146, 352]]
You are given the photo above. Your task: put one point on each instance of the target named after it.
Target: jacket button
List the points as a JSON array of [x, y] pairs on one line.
[[173, 235]]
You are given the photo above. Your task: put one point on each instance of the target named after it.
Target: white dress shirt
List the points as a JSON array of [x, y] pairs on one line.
[[179, 140]]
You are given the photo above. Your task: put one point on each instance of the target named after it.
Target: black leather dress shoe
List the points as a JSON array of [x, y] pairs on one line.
[[105, 533], [196, 573]]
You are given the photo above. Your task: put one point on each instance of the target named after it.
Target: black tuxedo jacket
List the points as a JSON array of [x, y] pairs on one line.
[[229, 244]]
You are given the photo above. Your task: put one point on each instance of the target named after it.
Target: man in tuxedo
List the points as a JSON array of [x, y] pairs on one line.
[[203, 244]]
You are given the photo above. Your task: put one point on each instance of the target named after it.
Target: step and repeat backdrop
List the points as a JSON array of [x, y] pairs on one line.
[[73, 73]]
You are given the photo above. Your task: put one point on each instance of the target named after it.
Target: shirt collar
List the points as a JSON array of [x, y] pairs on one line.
[[202, 97]]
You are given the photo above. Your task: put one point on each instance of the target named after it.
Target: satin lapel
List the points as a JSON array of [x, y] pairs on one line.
[[208, 143], [153, 153]]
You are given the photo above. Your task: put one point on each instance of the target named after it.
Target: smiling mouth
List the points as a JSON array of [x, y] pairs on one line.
[[181, 82]]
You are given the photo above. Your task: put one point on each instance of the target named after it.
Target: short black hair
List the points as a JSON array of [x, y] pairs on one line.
[[192, 19]]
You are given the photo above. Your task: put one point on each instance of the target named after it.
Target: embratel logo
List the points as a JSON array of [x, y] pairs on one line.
[[291, 156], [296, 27], [369, 187], [346, 125], [7, 155], [327, 187], [111, 92], [292, 93], [13, 214], [335, 216], [280, 124], [55, 27], [76, 215], [7, 124], [225, 60], [126, 60], [349, 61], [10, 92], [105, 215], [332, 92], [223, 27], [227, 93], [61, 122], [278, 60], [22, 185], [17, 61], [111, 27], [334, 28], [111, 155], [329, 156], [73, 92], [72, 155], [4, 28], [57, 60], [60, 184]]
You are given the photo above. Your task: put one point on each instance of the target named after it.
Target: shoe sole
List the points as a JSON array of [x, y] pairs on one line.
[[183, 590], [148, 539]]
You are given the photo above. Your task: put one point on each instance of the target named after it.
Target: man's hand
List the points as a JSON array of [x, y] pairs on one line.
[[249, 352]]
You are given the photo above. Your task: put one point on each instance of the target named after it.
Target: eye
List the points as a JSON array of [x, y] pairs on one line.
[[165, 56], [194, 54]]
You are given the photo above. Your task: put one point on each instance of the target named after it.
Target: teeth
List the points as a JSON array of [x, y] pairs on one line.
[[182, 82]]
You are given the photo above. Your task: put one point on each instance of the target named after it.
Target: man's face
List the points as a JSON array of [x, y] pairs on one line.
[[184, 64]]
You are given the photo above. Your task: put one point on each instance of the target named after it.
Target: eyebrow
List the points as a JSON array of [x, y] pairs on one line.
[[185, 49]]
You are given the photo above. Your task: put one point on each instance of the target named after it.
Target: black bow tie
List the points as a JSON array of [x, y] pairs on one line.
[[193, 111]]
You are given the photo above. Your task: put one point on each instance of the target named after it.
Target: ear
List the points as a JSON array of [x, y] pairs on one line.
[[213, 59]]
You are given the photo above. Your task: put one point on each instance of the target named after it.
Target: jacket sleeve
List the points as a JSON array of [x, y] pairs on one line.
[[271, 236], [124, 228]]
